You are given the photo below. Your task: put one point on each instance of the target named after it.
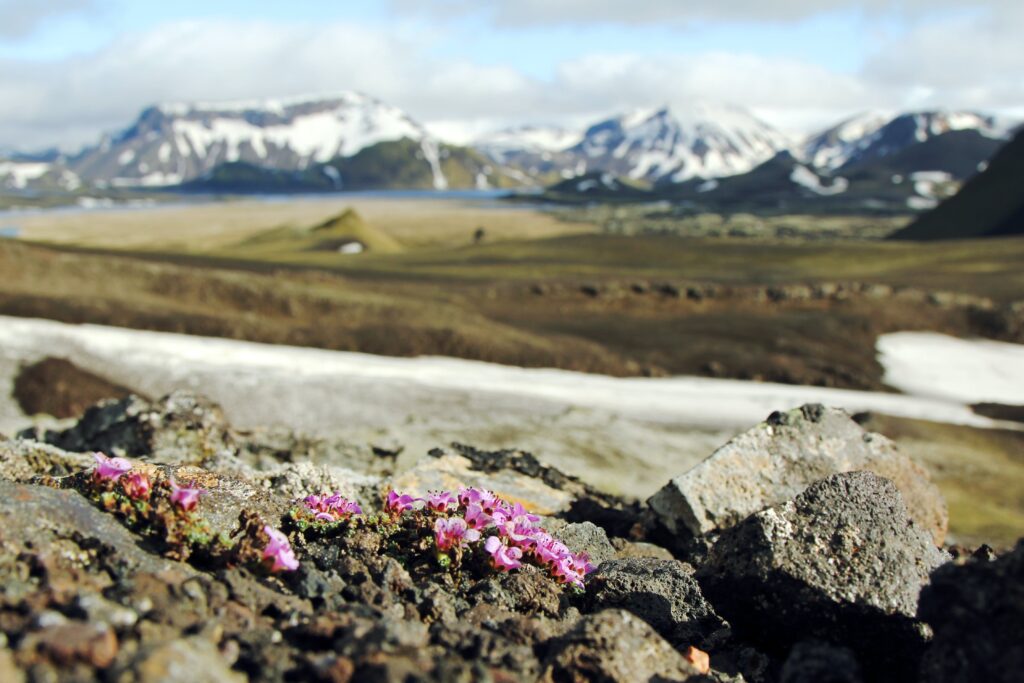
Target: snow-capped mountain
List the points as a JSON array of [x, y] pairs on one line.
[[873, 135], [173, 143], [522, 139], [671, 144]]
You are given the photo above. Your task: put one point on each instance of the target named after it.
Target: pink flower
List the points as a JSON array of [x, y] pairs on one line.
[[397, 504], [572, 569], [440, 501], [186, 497], [476, 517], [506, 511], [280, 551], [110, 469], [332, 508], [137, 486], [503, 557], [453, 532], [550, 550], [485, 499]]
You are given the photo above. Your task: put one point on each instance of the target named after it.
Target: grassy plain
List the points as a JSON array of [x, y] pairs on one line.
[[539, 291]]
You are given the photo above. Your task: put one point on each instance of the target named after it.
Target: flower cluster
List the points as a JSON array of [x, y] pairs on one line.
[[330, 509], [513, 535], [163, 508]]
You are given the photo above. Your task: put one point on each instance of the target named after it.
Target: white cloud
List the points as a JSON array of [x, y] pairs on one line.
[[522, 13], [21, 18], [974, 62], [70, 102]]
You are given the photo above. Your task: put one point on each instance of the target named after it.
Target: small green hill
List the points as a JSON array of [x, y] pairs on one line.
[[991, 204], [346, 228]]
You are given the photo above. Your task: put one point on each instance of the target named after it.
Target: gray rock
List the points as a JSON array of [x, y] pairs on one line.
[[776, 460], [842, 562], [977, 613], [625, 549], [615, 646], [664, 593], [21, 460], [39, 517], [582, 537]]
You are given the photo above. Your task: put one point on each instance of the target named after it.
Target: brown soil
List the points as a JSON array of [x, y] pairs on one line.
[[1000, 411], [57, 387]]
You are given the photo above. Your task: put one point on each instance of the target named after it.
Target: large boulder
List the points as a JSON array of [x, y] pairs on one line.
[[977, 613], [664, 593], [775, 461], [615, 646], [843, 562]]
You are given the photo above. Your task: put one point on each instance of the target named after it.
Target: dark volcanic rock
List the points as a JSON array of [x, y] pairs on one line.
[[664, 593], [842, 562], [180, 428], [816, 662], [977, 612], [615, 646], [778, 459]]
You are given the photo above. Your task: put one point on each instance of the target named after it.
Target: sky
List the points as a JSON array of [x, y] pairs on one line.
[[71, 70]]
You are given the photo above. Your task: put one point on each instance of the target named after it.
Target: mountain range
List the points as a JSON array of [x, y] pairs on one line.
[[705, 153]]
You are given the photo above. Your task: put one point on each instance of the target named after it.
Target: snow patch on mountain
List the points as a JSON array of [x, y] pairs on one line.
[[17, 175], [805, 177], [702, 140], [878, 134], [172, 143]]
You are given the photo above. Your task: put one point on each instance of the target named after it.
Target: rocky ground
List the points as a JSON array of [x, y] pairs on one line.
[[806, 549]]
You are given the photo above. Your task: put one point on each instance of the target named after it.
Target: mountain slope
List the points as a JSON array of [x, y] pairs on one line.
[[674, 145], [990, 204], [875, 135], [393, 165], [175, 143]]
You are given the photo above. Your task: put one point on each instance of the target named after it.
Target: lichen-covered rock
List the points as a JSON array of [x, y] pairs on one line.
[[842, 562], [38, 519], [180, 428], [615, 646], [977, 612], [21, 460], [298, 480], [776, 460], [664, 593]]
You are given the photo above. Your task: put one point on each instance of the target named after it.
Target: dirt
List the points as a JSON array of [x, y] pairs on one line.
[[57, 387]]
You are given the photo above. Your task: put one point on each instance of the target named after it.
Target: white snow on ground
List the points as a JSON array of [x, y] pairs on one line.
[[260, 372], [957, 370]]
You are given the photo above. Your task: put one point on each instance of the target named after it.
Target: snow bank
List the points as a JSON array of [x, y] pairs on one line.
[[333, 385]]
